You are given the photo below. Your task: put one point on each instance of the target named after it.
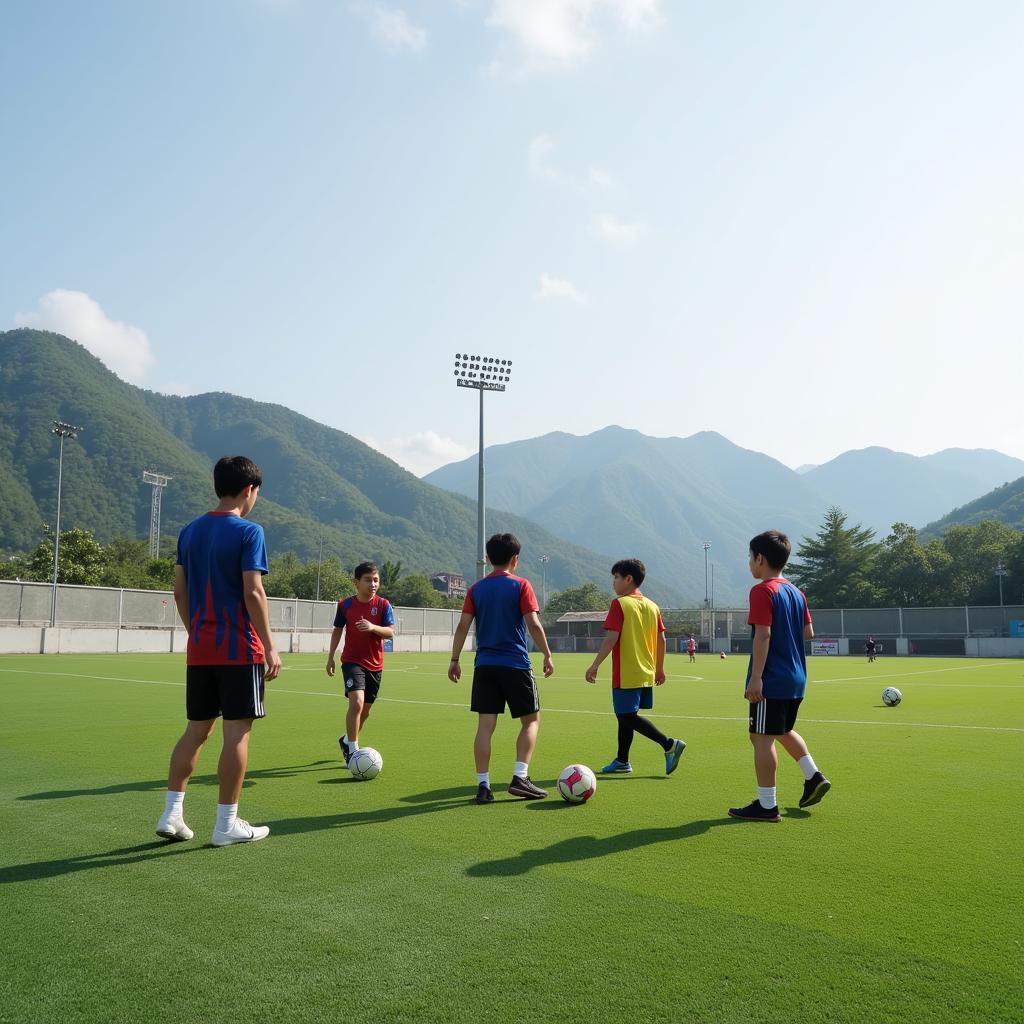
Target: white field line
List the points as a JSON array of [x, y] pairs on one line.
[[558, 711]]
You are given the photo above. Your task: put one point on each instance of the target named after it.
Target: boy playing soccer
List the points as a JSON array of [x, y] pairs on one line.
[[367, 621], [635, 638], [691, 648], [218, 591], [504, 607], [780, 621]]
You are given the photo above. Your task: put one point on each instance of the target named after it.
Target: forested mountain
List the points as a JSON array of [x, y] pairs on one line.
[[1005, 505], [315, 476]]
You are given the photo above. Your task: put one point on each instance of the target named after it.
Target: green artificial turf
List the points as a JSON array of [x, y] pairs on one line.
[[898, 898]]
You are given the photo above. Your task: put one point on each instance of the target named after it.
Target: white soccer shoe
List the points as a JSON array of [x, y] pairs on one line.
[[173, 827], [240, 832]]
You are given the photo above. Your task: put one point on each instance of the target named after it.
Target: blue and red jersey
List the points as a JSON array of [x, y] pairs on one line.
[[214, 550], [780, 605], [366, 649], [498, 603]]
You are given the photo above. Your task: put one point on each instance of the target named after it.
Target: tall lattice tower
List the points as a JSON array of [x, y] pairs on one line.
[[159, 482]]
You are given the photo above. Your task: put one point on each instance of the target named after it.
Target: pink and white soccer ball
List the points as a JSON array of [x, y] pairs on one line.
[[577, 784]]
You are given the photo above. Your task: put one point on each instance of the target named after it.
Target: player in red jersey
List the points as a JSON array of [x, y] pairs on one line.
[[367, 621]]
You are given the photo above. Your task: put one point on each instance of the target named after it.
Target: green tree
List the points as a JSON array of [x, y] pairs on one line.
[[909, 573], [416, 591], [835, 567], [335, 582], [975, 551], [587, 598], [81, 559], [389, 575], [278, 582]]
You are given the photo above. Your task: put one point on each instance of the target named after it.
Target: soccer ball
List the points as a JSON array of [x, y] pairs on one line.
[[365, 764], [577, 784], [891, 696]]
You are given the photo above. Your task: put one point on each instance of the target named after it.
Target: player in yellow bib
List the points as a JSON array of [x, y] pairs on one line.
[[635, 638]]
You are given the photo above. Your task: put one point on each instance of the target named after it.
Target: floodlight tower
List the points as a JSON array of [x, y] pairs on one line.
[[159, 482], [544, 559], [484, 373], [1000, 573], [62, 430]]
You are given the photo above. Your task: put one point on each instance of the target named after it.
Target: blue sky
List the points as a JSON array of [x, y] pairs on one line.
[[798, 224]]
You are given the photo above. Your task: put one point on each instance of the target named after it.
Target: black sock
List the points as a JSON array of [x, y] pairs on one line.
[[647, 728], [626, 726]]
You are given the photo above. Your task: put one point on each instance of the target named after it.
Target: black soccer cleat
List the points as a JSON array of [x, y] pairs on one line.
[[755, 812], [345, 752], [814, 789], [521, 786], [484, 794]]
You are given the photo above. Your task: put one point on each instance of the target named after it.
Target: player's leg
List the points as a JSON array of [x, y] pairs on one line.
[[242, 700], [766, 717], [520, 690], [626, 727], [486, 724], [185, 754], [370, 692], [815, 783], [355, 682]]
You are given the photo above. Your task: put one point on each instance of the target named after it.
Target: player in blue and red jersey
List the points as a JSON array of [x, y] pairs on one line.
[[505, 609], [780, 622], [367, 621], [218, 591]]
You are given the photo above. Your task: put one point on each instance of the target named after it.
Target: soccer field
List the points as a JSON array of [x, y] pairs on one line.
[[898, 898]]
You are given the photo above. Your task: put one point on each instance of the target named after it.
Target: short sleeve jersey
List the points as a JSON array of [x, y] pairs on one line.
[[637, 620], [779, 604], [498, 603], [691, 646], [366, 649], [214, 550]]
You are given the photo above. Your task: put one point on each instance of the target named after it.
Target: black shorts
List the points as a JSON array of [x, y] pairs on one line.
[[232, 691], [496, 685], [772, 717], [359, 677]]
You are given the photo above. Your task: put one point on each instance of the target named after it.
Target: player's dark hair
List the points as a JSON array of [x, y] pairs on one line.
[[502, 548], [363, 568], [233, 473], [775, 547], [630, 567]]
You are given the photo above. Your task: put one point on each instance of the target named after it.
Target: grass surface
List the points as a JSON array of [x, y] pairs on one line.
[[898, 898]]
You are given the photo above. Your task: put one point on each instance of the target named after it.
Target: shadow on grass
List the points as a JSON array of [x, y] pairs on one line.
[[89, 861], [587, 848], [160, 785]]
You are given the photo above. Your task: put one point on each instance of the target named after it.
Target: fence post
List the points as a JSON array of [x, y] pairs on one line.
[[967, 619], [842, 623], [900, 610], [21, 601]]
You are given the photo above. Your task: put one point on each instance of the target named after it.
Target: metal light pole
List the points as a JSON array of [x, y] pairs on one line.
[[544, 559], [62, 430], [707, 545], [158, 482], [320, 556], [1000, 573], [484, 373]]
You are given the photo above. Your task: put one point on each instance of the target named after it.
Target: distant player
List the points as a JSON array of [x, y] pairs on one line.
[[367, 621], [505, 609], [218, 590], [691, 649], [780, 621], [870, 648], [635, 638]]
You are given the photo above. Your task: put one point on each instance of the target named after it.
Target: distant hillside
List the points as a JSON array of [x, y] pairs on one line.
[[620, 491], [1005, 505], [879, 487], [367, 504]]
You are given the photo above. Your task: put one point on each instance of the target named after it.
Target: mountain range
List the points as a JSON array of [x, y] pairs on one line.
[[620, 491], [316, 478]]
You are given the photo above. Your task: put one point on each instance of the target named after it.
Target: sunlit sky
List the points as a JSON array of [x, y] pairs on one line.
[[799, 224]]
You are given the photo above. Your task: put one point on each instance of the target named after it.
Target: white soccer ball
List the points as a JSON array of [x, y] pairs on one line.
[[365, 764], [577, 784], [891, 696]]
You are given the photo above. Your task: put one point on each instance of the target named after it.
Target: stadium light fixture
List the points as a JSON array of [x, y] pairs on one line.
[[483, 373], [320, 556], [544, 559], [158, 482], [62, 430]]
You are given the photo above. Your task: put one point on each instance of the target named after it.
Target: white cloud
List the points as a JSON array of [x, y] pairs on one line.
[[614, 230], [420, 453], [392, 28], [550, 287], [123, 348], [563, 33], [540, 147], [600, 178]]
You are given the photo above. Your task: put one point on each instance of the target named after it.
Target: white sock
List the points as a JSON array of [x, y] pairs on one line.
[[226, 814], [353, 746], [807, 766], [174, 803], [766, 797], [483, 778], [521, 768]]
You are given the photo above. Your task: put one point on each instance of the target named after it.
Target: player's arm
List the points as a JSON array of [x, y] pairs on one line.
[[808, 632], [659, 665], [181, 594], [611, 638], [536, 628], [758, 660], [335, 640], [458, 642], [259, 615]]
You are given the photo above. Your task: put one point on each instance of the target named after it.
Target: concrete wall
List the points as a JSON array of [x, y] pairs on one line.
[[994, 647]]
